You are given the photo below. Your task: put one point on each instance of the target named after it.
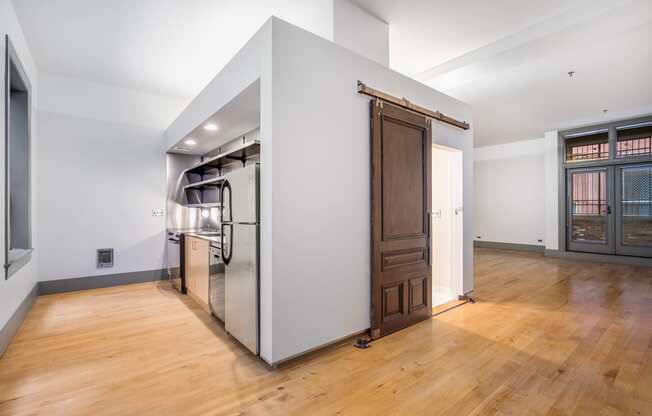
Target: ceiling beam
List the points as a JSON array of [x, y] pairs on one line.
[[584, 10]]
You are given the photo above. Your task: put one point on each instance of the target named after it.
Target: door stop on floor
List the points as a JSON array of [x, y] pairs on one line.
[[362, 343]]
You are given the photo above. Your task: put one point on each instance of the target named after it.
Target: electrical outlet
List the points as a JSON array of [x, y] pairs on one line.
[[158, 212]]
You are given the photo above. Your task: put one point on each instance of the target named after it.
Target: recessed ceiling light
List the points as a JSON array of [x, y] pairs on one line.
[[181, 149], [190, 142], [211, 127]]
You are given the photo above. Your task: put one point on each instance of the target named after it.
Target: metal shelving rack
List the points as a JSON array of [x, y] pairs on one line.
[[195, 191]]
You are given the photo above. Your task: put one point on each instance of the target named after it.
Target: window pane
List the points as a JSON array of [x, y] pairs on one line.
[[589, 147], [589, 206], [634, 142], [637, 206]]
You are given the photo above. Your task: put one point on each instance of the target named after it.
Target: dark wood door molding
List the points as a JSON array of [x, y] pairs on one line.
[[401, 182]]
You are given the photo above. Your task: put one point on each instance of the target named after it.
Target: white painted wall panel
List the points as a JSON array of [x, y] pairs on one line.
[[321, 185], [551, 181], [103, 179], [510, 192], [102, 158]]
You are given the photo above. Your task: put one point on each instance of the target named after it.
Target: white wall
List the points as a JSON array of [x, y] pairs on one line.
[[509, 193], [360, 32], [551, 190], [14, 290], [320, 186], [102, 170]]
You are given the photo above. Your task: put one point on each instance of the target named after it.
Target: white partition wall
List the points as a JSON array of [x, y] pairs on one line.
[[321, 186], [315, 179]]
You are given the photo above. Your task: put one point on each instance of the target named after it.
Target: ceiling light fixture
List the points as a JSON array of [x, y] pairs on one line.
[[211, 127], [190, 142]]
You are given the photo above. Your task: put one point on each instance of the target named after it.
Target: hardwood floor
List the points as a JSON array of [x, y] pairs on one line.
[[547, 337]]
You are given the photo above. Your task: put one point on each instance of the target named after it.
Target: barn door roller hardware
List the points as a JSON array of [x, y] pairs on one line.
[[402, 102]]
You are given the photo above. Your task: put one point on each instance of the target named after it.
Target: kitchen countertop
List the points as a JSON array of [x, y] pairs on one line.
[[210, 238], [193, 230]]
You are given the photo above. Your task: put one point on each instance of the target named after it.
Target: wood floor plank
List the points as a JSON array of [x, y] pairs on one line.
[[547, 337]]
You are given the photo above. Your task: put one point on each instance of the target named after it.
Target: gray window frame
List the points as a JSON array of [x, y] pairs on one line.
[[619, 244], [591, 246], [12, 265], [564, 167]]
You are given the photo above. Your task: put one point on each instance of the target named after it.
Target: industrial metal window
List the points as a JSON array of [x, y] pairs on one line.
[[588, 201], [588, 146], [634, 141], [636, 201], [607, 172]]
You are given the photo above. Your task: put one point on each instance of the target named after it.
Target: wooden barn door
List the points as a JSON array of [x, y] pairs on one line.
[[401, 272]]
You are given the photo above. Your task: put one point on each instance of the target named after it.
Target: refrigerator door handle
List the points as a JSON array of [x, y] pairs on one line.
[[226, 258], [227, 206]]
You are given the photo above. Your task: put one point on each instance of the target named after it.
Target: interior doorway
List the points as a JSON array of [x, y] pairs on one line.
[[447, 224]]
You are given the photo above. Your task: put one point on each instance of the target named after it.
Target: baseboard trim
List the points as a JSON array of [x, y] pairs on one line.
[[600, 258], [508, 246], [9, 331], [50, 287]]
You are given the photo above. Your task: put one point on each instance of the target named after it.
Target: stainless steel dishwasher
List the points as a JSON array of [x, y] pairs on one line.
[[216, 287]]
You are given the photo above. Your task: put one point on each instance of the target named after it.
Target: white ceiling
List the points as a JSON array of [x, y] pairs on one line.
[[509, 59], [426, 33], [169, 47], [241, 115]]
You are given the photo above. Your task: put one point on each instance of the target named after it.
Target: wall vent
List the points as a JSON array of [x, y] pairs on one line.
[[104, 258]]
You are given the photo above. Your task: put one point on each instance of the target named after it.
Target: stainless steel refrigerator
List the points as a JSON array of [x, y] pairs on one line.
[[240, 253]]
